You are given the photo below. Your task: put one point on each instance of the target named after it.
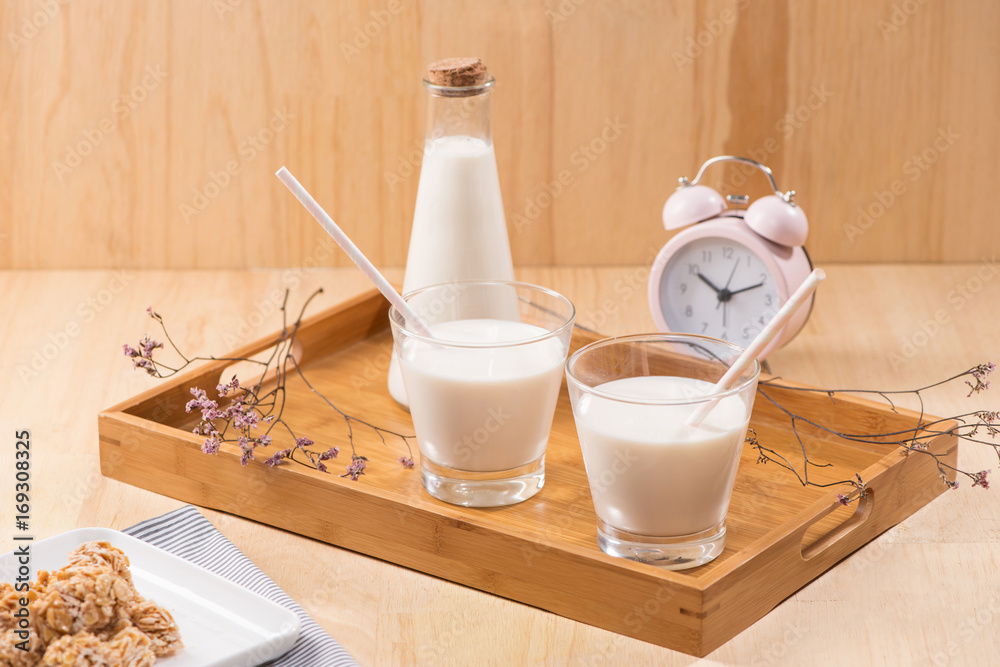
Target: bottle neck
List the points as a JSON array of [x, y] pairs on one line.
[[460, 112]]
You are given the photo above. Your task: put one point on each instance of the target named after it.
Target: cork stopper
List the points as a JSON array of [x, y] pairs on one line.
[[457, 72]]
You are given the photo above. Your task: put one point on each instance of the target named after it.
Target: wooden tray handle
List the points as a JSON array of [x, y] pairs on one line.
[[883, 504], [862, 512]]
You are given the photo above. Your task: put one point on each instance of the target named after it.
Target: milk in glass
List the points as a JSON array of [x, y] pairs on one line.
[[483, 408], [650, 473]]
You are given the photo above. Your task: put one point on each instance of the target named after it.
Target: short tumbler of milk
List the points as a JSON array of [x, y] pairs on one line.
[[483, 389], [661, 482]]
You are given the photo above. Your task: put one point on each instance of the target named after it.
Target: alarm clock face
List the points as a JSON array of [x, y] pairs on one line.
[[718, 287]]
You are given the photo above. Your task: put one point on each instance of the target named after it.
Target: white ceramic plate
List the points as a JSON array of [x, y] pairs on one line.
[[221, 624]]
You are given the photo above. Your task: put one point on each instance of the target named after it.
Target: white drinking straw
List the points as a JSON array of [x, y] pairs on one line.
[[353, 251], [759, 343]]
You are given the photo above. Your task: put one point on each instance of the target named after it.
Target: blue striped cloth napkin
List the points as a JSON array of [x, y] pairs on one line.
[[187, 533]]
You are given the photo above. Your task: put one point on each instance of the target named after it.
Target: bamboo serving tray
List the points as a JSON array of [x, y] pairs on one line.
[[543, 552]]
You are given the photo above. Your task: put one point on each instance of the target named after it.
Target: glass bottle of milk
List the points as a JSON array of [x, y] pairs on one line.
[[459, 232]]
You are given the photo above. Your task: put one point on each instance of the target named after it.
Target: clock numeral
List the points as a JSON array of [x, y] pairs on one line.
[[684, 288], [762, 320], [727, 252], [745, 333], [694, 269], [689, 311], [763, 277], [725, 335], [767, 300], [704, 327], [706, 255]]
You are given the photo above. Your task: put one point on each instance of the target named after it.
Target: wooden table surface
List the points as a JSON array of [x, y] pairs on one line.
[[925, 592]]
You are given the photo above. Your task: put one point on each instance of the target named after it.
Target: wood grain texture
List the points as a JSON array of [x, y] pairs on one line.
[[918, 594], [146, 134]]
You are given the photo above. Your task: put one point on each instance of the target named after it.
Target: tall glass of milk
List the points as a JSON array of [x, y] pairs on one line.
[[661, 484], [459, 230], [483, 389]]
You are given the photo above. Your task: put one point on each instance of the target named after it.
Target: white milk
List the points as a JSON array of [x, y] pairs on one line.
[[483, 409], [459, 231], [649, 472]]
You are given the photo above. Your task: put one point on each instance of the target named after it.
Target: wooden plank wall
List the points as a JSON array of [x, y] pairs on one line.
[[145, 133]]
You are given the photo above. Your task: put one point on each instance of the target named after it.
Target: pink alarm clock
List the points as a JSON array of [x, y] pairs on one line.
[[731, 270]]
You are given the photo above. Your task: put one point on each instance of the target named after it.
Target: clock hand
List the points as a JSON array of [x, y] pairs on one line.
[[724, 294], [732, 273], [746, 289], [708, 282]]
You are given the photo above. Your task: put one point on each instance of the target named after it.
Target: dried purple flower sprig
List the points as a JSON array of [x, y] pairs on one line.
[[143, 357], [250, 417], [978, 373], [912, 441]]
